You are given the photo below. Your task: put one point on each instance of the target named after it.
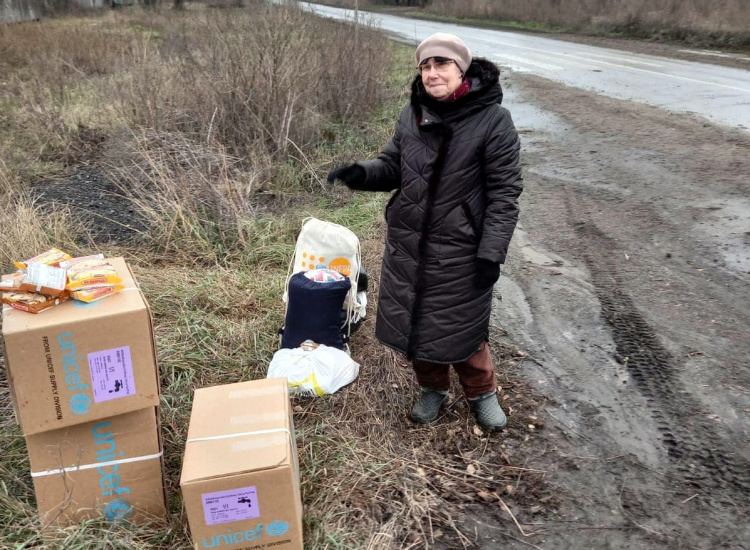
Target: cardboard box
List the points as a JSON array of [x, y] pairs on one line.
[[79, 362], [240, 475], [109, 468]]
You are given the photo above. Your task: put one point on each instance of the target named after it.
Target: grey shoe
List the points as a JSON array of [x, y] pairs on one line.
[[428, 407], [488, 411]]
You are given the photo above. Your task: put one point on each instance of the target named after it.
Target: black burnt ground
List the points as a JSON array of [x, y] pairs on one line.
[[97, 205]]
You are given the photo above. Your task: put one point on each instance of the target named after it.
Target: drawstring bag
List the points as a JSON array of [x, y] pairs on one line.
[[326, 245]]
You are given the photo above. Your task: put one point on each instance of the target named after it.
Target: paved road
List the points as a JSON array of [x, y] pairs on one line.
[[719, 94]]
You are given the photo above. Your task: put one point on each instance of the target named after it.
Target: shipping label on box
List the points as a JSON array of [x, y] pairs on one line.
[[240, 474], [110, 468], [78, 362]]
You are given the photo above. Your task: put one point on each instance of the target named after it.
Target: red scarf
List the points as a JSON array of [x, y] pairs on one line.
[[461, 91]]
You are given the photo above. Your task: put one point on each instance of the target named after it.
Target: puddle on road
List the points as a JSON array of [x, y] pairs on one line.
[[533, 124], [727, 222]]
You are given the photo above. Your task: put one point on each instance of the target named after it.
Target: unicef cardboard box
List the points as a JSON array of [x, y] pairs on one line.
[[78, 362], [109, 468], [240, 475]]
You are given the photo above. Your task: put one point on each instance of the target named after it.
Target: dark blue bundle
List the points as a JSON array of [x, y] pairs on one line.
[[313, 312]]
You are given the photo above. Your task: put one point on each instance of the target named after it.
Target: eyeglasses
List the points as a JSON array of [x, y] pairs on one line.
[[439, 66]]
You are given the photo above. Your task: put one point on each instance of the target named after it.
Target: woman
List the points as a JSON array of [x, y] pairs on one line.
[[454, 158]]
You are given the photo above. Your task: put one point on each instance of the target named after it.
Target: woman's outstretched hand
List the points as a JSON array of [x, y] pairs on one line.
[[353, 176]]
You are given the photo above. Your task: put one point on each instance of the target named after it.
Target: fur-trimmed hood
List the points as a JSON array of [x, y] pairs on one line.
[[484, 79]]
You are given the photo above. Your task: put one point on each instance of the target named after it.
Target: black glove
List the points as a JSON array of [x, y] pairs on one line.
[[487, 273], [353, 176]]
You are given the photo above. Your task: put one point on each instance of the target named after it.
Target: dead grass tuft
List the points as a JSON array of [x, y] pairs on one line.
[[29, 228], [263, 79], [719, 23]]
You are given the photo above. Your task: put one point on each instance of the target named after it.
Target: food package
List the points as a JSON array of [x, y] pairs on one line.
[[54, 276], [83, 261], [44, 279], [41, 279], [31, 301], [96, 293], [52, 257], [12, 282], [90, 277]]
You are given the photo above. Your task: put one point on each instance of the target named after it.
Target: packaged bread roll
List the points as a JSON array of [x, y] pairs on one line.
[[52, 257], [31, 301], [101, 275], [96, 293]]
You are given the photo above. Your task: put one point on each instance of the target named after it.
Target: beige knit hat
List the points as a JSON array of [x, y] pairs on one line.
[[445, 45]]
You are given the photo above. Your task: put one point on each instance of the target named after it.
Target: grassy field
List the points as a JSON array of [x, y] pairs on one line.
[[716, 24], [219, 134]]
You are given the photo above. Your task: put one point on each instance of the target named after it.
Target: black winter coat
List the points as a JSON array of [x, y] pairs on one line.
[[457, 171]]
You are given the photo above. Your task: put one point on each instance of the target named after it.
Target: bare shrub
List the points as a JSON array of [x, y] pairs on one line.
[[49, 93], [266, 77], [195, 198]]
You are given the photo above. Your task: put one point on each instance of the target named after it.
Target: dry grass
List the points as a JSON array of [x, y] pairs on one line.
[[636, 17], [223, 181], [261, 82], [52, 106], [28, 226], [187, 192], [269, 75], [718, 23]]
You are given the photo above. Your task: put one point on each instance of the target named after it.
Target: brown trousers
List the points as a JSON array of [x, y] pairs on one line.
[[476, 374]]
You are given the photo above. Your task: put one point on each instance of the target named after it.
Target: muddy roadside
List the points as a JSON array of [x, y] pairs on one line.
[[627, 285]]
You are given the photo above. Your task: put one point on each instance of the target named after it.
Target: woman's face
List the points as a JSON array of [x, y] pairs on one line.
[[440, 78]]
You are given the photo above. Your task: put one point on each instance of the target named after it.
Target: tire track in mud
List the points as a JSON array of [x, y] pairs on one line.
[[691, 440]]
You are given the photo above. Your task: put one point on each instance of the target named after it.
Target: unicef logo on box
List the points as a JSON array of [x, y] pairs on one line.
[[277, 528], [80, 403], [118, 509]]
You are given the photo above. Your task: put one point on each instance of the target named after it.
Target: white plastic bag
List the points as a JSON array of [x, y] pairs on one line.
[[317, 371]]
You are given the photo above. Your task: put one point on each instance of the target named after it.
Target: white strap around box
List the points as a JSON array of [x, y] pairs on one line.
[[95, 465], [241, 434]]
